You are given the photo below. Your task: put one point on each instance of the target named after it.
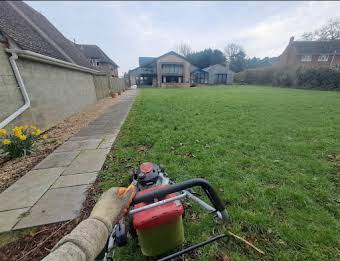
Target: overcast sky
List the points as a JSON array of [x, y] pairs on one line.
[[127, 30]]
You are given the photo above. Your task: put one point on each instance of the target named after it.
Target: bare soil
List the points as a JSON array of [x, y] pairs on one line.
[[13, 169]]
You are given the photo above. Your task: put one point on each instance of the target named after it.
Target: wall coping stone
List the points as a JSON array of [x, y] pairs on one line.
[[49, 60]]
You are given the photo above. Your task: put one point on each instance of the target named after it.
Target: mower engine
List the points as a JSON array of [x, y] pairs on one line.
[[149, 175]]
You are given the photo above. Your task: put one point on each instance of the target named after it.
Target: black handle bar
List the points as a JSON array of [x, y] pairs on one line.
[[207, 188]]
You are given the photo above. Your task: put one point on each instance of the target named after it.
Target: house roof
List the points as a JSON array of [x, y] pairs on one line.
[[146, 60], [224, 67], [195, 70], [150, 60], [317, 47], [31, 31], [92, 51]]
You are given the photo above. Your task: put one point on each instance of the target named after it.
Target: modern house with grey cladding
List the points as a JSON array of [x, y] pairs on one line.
[[174, 70]]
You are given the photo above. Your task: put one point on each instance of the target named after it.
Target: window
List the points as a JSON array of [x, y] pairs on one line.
[[200, 77], [323, 58], [94, 62], [175, 69], [306, 58], [221, 78], [172, 79]]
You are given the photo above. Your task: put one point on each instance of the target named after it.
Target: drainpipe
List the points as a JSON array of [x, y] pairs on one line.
[[22, 88], [332, 59]]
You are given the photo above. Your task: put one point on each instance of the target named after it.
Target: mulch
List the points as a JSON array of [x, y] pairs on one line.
[[37, 246]]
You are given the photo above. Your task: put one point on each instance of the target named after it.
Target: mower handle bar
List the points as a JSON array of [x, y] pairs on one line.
[[177, 187]]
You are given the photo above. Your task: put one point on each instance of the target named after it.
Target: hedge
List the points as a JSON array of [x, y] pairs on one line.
[[295, 77]]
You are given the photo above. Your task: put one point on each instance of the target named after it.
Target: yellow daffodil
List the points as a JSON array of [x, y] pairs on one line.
[[17, 131], [6, 142], [22, 137], [44, 136], [3, 132], [37, 132]]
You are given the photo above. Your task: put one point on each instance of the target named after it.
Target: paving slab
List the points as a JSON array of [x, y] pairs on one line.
[[28, 190], [87, 161], [61, 159], [105, 145], [56, 205], [111, 138], [79, 145], [75, 180], [90, 137], [9, 218], [56, 188]]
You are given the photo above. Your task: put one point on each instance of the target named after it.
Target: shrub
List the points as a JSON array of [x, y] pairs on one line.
[[255, 76], [299, 77], [321, 78], [19, 142]]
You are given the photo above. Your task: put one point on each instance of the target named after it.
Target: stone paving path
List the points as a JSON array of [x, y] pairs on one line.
[[55, 189]]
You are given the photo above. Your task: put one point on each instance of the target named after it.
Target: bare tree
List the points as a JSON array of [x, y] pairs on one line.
[[231, 50], [308, 36], [183, 49], [330, 31]]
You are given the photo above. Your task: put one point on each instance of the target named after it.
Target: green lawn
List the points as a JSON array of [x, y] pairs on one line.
[[273, 154]]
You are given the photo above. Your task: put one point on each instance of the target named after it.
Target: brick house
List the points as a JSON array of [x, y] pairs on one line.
[[172, 69], [98, 59], [311, 53]]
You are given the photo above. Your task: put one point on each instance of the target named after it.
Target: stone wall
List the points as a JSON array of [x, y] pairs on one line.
[[10, 95], [55, 92], [117, 84], [102, 86]]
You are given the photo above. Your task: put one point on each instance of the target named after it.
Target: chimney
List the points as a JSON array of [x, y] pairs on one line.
[[291, 39]]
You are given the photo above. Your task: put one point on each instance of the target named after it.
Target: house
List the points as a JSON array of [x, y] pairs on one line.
[[219, 74], [98, 59], [172, 69], [311, 53]]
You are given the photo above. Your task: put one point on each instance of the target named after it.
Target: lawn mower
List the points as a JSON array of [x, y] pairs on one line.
[[156, 214]]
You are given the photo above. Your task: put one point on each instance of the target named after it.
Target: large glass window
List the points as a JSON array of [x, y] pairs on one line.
[[200, 77], [172, 79], [221, 78], [172, 69]]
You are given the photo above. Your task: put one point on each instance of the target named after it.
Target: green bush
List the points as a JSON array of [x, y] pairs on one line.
[[324, 78], [255, 76], [297, 77]]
